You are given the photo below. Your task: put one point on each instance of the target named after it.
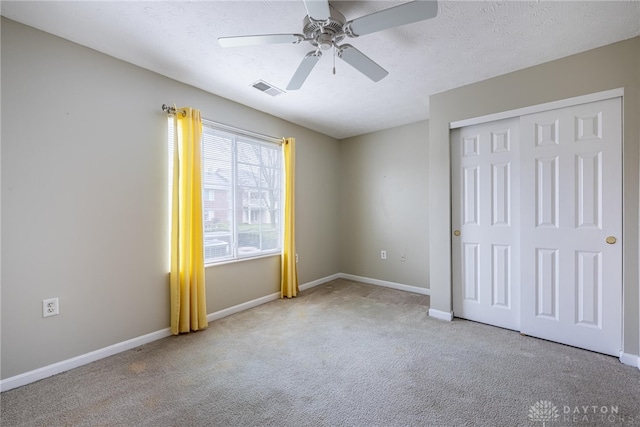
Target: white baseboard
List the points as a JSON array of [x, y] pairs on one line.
[[75, 362], [265, 299], [442, 315], [630, 359], [392, 285], [242, 307], [319, 281]]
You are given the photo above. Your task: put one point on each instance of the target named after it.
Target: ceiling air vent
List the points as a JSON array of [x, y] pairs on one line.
[[265, 87]]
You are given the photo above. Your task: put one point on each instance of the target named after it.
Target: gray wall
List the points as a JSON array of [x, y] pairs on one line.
[[384, 205], [84, 200], [609, 67]]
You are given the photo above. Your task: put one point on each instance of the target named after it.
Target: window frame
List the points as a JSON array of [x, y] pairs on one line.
[[234, 210]]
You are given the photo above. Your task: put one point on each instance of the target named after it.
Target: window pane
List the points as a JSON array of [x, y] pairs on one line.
[[272, 178], [273, 199], [248, 152], [271, 158], [241, 195], [270, 238], [216, 247], [248, 240], [248, 176]]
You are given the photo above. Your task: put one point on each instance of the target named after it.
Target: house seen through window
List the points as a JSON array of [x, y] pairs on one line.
[[242, 195]]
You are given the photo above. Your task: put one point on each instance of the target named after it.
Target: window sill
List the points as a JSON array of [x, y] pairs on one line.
[[232, 261]]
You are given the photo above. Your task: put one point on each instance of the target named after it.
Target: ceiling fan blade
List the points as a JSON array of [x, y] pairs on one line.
[[361, 62], [304, 69], [260, 39], [317, 9], [406, 13]]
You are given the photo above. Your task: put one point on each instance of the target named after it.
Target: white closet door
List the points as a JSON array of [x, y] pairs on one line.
[[485, 192], [572, 225]]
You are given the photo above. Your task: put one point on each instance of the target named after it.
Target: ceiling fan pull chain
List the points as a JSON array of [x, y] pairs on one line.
[[334, 59]]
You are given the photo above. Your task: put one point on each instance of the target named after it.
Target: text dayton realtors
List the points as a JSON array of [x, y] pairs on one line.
[[594, 413]]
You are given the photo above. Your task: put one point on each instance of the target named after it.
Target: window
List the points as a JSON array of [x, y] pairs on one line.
[[242, 194]]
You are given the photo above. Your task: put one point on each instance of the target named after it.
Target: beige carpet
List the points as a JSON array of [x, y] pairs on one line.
[[341, 354]]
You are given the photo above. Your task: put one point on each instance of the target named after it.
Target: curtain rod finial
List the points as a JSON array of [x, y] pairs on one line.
[[172, 110]]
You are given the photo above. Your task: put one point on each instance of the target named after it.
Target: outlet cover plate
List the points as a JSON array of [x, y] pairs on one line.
[[50, 307]]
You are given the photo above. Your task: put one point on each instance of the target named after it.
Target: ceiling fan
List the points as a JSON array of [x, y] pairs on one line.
[[324, 27]]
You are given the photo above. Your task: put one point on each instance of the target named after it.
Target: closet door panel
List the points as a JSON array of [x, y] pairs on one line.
[[571, 162], [485, 213]]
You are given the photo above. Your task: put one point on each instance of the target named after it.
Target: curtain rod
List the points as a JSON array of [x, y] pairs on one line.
[[173, 110], [227, 128]]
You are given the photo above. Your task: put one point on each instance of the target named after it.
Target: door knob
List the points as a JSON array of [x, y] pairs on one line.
[[456, 233], [610, 240]]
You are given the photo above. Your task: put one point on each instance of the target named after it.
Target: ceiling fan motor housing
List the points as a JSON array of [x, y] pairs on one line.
[[324, 34]]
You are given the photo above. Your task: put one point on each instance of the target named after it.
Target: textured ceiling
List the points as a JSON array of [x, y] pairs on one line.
[[467, 42]]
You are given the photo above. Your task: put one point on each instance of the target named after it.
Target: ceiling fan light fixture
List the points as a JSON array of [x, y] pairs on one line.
[[325, 41]]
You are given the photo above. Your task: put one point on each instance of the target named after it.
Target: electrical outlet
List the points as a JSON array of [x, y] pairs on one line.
[[296, 258], [403, 257], [50, 307], [383, 254]]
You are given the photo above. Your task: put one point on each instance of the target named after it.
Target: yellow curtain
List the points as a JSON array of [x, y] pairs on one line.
[[289, 282], [188, 299]]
